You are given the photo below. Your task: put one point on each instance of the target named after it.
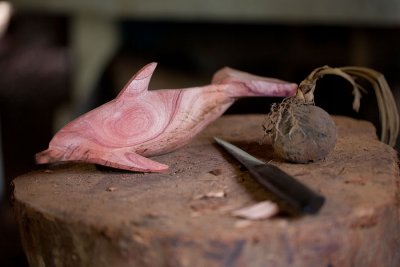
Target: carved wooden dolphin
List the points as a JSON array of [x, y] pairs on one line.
[[139, 123]]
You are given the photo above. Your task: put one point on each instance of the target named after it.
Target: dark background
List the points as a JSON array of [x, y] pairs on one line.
[[36, 64]]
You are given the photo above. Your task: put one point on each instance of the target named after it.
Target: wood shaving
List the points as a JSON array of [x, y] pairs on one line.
[[216, 172], [259, 211], [212, 194], [111, 189], [242, 223]]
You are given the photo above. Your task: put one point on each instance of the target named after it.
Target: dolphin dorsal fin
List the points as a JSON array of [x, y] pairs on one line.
[[139, 83]]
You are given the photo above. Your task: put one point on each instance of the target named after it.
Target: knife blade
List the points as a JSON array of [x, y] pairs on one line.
[[286, 187]]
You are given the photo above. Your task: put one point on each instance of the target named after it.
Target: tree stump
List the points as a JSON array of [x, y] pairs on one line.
[[83, 215]]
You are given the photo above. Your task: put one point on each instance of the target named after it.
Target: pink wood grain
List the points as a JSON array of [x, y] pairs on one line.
[[139, 123]]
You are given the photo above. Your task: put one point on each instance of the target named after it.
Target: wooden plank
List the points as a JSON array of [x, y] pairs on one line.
[[80, 215]]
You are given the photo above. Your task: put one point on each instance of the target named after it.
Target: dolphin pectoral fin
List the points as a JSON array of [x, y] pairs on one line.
[[120, 159], [48, 156], [126, 160]]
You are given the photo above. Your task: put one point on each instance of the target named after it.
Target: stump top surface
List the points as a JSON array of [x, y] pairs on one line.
[[358, 178]]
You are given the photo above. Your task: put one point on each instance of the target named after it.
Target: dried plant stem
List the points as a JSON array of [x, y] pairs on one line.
[[388, 112]]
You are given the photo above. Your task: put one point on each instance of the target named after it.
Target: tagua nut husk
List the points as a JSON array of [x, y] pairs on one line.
[[304, 133], [301, 132]]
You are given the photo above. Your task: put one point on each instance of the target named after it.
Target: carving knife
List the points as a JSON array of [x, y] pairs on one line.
[[283, 185]]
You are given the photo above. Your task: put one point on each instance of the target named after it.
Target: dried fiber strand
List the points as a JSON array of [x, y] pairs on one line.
[[388, 112]]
